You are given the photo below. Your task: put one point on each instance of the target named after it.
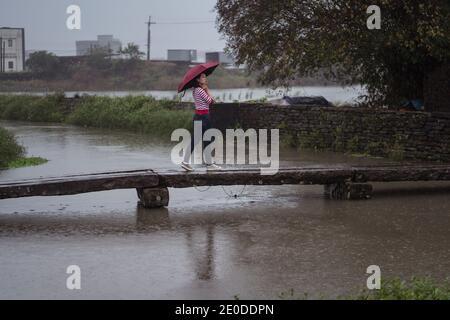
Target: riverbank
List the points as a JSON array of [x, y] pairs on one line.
[[12, 154], [132, 113], [140, 114], [396, 135], [416, 288], [94, 73]]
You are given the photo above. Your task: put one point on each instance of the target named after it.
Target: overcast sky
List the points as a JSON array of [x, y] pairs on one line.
[[45, 23]]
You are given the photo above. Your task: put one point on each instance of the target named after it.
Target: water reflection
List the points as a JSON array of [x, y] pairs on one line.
[[151, 219], [201, 251], [208, 244]]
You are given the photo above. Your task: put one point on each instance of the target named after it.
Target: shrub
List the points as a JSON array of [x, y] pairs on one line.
[[10, 150], [135, 113]]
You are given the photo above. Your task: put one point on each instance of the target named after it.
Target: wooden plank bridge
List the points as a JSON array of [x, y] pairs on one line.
[[341, 182]]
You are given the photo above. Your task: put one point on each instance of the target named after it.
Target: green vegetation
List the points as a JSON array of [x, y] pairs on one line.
[[31, 108], [139, 114], [133, 113], [393, 289], [26, 162], [12, 153], [44, 64], [415, 289], [10, 150], [391, 62]]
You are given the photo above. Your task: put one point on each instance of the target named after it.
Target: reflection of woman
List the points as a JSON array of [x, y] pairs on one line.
[[202, 99]]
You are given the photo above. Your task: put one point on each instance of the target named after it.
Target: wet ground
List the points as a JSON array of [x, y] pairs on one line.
[[208, 243]]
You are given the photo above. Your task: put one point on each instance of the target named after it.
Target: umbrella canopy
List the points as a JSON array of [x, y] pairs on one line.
[[189, 77]]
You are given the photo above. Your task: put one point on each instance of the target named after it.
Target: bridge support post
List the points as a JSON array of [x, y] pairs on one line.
[[153, 197], [348, 191]]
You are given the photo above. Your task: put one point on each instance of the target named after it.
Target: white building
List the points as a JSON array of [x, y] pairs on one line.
[[186, 55], [12, 49], [108, 42]]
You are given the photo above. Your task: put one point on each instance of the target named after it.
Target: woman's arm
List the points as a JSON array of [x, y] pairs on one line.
[[208, 97]]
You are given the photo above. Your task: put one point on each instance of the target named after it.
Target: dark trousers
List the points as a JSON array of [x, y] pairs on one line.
[[206, 124]]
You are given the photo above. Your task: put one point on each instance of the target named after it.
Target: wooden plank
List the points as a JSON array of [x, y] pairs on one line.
[[78, 184], [175, 179], [309, 176], [75, 184], [399, 173]]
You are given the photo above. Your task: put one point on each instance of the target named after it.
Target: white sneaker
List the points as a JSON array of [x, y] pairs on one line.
[[186, 166], [213, 167]]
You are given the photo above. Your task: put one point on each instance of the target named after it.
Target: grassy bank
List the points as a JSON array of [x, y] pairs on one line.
[[414, 289], [417, 288], [147, 115], [12, 154], [140, 114], [133, 113]]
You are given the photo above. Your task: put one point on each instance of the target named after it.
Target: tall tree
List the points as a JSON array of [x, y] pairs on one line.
[[44, 63], [285, 39], [132, 51]]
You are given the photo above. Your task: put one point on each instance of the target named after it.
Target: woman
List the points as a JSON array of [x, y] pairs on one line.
[[202, 99]]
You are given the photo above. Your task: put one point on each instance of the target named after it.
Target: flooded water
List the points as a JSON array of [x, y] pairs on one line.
[[208, 244], [334, 94]]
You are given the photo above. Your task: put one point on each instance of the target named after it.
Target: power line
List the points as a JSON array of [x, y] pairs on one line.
[[187, 22]]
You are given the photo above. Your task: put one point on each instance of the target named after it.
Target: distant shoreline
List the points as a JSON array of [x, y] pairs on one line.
[[336, 94]]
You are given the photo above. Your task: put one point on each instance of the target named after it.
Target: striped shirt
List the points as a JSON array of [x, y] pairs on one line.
[[202, 100]]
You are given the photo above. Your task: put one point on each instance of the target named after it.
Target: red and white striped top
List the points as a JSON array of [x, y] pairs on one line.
[[201, 100]]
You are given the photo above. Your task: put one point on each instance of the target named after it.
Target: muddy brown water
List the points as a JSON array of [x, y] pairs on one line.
[[208, 244]]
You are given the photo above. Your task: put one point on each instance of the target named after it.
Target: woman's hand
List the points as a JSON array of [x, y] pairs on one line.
[[205, 87]]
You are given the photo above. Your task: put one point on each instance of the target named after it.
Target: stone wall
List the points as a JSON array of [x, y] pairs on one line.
[[394, 134]]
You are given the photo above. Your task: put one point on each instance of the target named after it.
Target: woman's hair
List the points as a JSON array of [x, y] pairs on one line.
[[196, 84]]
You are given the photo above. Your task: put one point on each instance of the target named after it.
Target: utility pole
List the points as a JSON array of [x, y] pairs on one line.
[[1, 55], [149, 35]]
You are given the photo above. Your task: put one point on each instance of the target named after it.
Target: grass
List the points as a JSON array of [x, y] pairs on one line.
[[134, 113], [417, 288], [12, 154], [140, 114], [31, 108], [26, 162], [414, 289]]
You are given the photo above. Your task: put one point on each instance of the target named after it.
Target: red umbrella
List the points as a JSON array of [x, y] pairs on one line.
[[189, 77]]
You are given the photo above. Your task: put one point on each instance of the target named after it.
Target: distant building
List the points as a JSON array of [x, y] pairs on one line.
[[219, 56], [186, 55], [107, 42], [12, 49]]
